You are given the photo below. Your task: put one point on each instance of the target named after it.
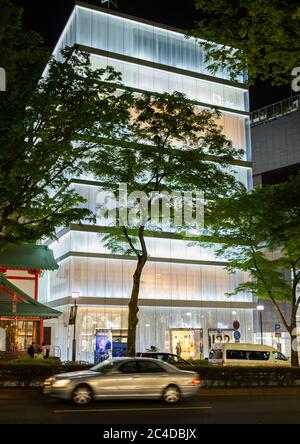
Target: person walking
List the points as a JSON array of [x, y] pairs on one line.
[[178, 348], [45, 350], [31, 350]]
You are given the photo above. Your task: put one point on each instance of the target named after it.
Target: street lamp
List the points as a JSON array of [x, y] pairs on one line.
[[260, 309], [75, 296]]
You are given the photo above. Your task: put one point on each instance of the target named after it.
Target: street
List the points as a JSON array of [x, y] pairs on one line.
[[256, 406]]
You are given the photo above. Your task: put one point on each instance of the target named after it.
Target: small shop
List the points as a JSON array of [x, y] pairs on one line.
[[21, 315], [21, 320]]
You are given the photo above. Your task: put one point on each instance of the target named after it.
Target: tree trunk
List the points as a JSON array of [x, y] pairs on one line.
[[133, 306], [294, 339]]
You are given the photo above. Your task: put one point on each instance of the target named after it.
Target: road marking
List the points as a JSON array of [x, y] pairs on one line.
[[131, 410]]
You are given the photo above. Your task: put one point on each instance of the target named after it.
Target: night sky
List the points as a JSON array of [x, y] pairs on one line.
[[49, 18]]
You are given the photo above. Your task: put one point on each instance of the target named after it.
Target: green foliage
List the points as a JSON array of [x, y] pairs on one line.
[[238, 376], [168, 146], [48, 129], [259, 233], [26, 371], [258, 36]]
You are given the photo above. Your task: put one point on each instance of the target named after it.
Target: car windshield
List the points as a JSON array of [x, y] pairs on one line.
[[104, 366]]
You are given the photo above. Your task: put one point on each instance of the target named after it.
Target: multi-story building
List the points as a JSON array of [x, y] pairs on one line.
[[275, 136], [275, 132], [183, 291]]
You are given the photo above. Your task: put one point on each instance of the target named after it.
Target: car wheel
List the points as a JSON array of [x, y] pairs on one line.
[[82, 395], [171, 394]]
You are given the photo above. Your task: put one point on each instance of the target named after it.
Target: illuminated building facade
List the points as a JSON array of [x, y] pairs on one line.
[[183, 292]]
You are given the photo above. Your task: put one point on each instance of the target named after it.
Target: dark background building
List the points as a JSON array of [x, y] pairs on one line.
[[275, 137]]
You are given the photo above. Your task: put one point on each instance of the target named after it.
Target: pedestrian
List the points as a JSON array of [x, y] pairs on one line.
[[31, 350], [178, 348], [45, 351]]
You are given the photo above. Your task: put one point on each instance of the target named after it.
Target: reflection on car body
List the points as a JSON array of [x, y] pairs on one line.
[[125, 378]]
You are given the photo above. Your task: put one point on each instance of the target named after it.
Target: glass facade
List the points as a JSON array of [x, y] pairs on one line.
[[183, 289], [129, 37]]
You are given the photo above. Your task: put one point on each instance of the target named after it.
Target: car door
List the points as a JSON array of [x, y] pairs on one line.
[[127, 379], [153, 378]]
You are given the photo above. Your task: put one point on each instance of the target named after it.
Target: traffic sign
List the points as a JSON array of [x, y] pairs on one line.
[[277, 327], [277, 334], [237, 335], [236, 325]]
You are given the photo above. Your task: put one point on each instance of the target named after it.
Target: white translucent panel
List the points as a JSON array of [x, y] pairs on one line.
[[190, 58], [234, 128], [131, 38], [203, 91], [115, 35], [100, 30], [146, 78], [59, 282], [161, 81], [88, 242], [84, 27], [160, 47], [175, 83], [145, 43], [112, 278], [241, 174], [189, 88], [127, 37], [152, 79], [61, 246], [217, 92]]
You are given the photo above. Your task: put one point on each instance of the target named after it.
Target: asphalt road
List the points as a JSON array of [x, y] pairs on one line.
[[212, 407]]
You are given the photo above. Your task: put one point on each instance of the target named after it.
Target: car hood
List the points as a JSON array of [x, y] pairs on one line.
[[78, 374]]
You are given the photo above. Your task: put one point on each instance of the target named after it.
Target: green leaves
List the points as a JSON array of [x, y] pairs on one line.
[[48, 129], [264, 35], [260, 234]]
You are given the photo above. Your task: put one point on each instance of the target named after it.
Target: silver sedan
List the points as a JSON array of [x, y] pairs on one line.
[[124, 378]]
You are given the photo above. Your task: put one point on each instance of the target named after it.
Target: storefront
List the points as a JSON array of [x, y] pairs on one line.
[[21, 315], [21, 320]]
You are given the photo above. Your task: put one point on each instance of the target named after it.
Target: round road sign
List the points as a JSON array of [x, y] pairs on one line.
[[236, 325], [237, 335]]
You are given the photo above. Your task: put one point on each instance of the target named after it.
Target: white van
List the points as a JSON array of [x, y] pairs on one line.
[[247, 355]]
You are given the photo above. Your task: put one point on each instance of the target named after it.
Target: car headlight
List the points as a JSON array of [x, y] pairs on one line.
[[49, 381], [61, 382]]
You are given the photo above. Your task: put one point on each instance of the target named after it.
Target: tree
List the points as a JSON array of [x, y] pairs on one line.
[[261, 37], [47, 127], [259, 233], [170, 146]]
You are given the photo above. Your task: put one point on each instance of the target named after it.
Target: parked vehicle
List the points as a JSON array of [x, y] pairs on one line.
[[247, 355], [166, 357], [124, 378]]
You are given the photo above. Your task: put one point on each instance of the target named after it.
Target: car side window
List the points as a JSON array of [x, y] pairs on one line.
[[129, 367], [280, 356], [150, 367]]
